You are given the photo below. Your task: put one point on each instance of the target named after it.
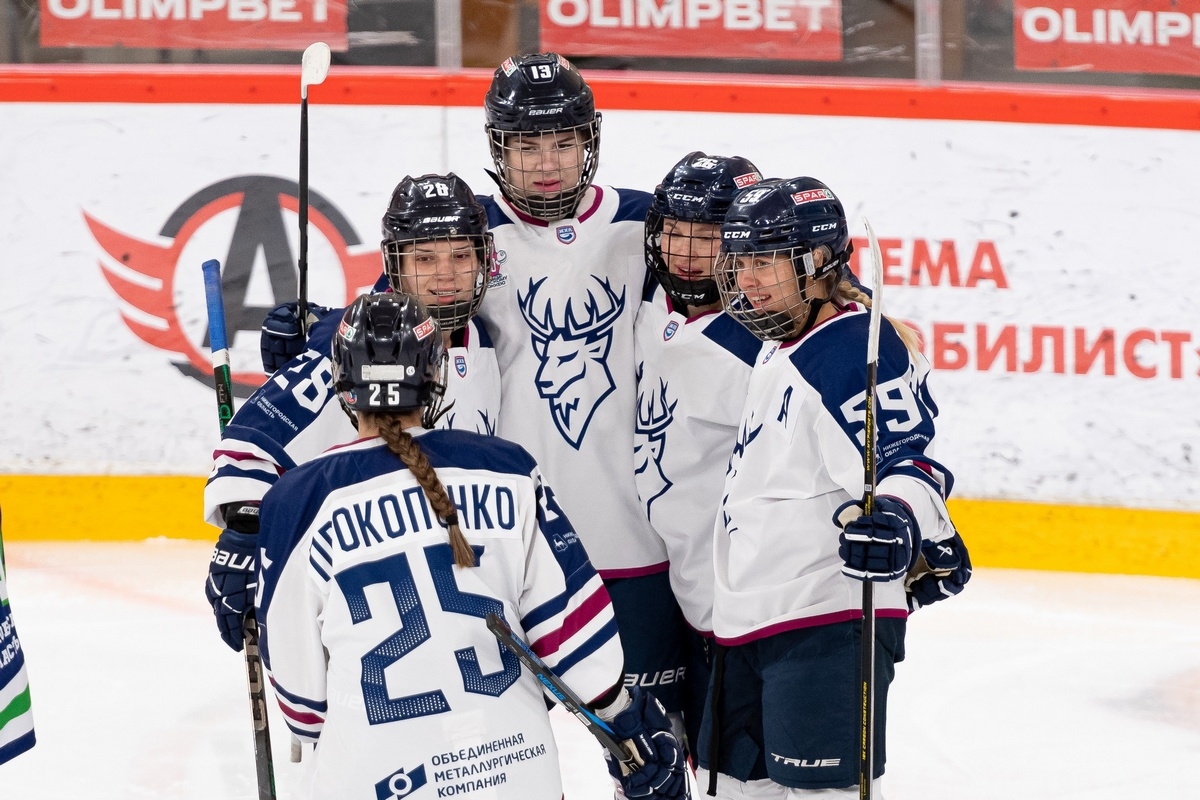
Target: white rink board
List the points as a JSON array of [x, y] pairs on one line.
[[1091, 229]]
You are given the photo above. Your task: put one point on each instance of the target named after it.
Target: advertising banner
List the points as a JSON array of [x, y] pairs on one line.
[[194, 24], [1046, 269], [797, 30], [1152, 36]]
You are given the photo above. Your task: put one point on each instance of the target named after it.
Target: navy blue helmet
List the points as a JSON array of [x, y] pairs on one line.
[[698, 189], [388, 355], [532, 96], [435, 208], [799, 222]]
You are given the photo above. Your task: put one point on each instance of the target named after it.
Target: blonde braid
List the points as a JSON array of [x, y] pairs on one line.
[[848, 291], [400, 442]]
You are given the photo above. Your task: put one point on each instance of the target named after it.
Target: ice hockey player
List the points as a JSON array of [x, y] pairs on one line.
[[791, 543], [561, 311], [382, 559], [16, 715], [694, 366], [436, 244]]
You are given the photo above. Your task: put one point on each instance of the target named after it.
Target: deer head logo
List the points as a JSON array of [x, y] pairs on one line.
[[654, 415], [573, 349]]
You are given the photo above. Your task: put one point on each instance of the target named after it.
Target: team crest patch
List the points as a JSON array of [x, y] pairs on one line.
[[460, 366], [770, 353], [669, 331], [566, 233]]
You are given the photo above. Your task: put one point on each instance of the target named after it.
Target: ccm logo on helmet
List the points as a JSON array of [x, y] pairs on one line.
[[736, 234], [827, 226]]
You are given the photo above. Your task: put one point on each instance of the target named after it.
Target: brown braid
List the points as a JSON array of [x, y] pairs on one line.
[[400, 442], [848, 291]]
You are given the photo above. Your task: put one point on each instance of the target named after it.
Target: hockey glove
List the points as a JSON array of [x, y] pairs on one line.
[[644, 729], [232, 573], [281, 341], [942, 571], [878, 547]]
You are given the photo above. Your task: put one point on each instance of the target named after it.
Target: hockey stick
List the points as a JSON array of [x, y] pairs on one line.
[[866, 754], [554, 686], [263, 765], [314, 66]]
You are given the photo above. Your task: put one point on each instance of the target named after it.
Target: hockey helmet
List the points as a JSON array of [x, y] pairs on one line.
[[532, 96], [388, 355], [698, 189], [428, 210]]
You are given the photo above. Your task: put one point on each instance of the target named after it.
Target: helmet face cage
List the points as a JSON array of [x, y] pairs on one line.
[[388, 355], [544, 134], [436, 245], [683, 223], [784, 247]]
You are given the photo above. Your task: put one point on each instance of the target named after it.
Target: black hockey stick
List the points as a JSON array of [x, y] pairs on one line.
[[314, 66], [866, 754], [562, 693], [264, 767]]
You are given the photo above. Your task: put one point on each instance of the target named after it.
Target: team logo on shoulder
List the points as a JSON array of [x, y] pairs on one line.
[[770, 353], [669, 331], [496, 278], [398, 784], [565, 233], [460, 366]]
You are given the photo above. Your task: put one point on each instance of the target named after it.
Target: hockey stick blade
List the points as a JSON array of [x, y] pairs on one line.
[[562, 693], [314, 66]]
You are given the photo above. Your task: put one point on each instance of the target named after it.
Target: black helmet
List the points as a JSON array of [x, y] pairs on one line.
[[538, 94], [435, 208], [800, 218], [388, 355], [697, 189]]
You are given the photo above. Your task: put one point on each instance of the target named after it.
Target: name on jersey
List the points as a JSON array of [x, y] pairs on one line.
[[390, 516]]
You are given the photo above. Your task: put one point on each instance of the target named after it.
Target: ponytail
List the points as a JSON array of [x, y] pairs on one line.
[[848, 291], [400, 442]]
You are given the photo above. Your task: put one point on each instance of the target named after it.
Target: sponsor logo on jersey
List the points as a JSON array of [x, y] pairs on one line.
[[572, 340], [770, 353], [749, 179], [557, 542], [497, 280], [565, 233], [670, 330], [248, 217], [423, 330], [812, 196], [655, 413], [400, 784], [460, 366]]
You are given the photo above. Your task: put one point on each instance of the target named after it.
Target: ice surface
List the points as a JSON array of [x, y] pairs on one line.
[[1029, 685]]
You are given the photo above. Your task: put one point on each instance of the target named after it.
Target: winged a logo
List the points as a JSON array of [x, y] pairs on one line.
[[143, 273]]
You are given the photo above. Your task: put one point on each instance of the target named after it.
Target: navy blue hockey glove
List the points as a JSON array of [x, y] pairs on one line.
[[280, 341], [942, 571], [644, 729], [232, 573], [878, 547]]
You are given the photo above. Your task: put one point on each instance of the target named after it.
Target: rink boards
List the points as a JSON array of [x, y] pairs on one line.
[[1037, 238]]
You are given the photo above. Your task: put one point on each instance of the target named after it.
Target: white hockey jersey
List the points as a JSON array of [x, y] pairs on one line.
[[798, 456], [16, 715], [295, 415], [377, 644], [560, 310], [692, 380]]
